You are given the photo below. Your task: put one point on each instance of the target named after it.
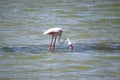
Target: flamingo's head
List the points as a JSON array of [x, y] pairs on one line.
[[70, 44]]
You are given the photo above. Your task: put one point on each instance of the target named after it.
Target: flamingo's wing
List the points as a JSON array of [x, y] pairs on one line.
[[52, 30]]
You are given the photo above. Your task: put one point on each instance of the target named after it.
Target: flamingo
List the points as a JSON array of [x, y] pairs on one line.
[[54, 32]]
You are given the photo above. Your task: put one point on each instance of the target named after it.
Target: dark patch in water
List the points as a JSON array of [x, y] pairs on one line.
[[59, 48], [31, 48], [106, 46]]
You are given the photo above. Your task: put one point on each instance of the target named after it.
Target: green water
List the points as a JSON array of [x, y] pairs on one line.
[[92, 25]]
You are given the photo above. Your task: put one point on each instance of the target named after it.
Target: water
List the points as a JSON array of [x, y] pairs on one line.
[[92, 26]]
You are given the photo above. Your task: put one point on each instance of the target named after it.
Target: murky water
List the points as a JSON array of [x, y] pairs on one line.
[[92, 25]]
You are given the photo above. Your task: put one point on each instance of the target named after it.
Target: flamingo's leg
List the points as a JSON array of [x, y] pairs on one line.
[[51, 46], [54, 41]]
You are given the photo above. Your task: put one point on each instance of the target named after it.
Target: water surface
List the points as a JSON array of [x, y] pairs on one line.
[[92, 25]]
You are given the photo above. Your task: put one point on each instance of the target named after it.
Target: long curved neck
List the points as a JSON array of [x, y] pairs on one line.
[[61, 42], [69, 42]]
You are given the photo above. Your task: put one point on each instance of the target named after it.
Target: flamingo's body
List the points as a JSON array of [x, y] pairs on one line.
[[54, 32]]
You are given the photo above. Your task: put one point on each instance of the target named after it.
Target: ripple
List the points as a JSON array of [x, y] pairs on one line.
[[63, 49]]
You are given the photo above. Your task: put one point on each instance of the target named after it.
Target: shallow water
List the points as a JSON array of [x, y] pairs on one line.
[[92, 25]]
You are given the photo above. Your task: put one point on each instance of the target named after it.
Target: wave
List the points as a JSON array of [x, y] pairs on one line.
[[77, 47]]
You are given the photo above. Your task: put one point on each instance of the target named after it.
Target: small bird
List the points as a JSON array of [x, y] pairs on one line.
[[57, 32]]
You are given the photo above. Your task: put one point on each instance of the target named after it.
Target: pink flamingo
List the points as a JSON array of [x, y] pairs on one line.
[[54, 32]]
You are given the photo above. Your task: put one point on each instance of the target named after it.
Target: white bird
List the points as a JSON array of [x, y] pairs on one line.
[[54, 32]]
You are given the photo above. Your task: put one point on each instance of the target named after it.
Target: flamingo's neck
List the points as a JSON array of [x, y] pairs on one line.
[[69, 42], [60, 40]]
